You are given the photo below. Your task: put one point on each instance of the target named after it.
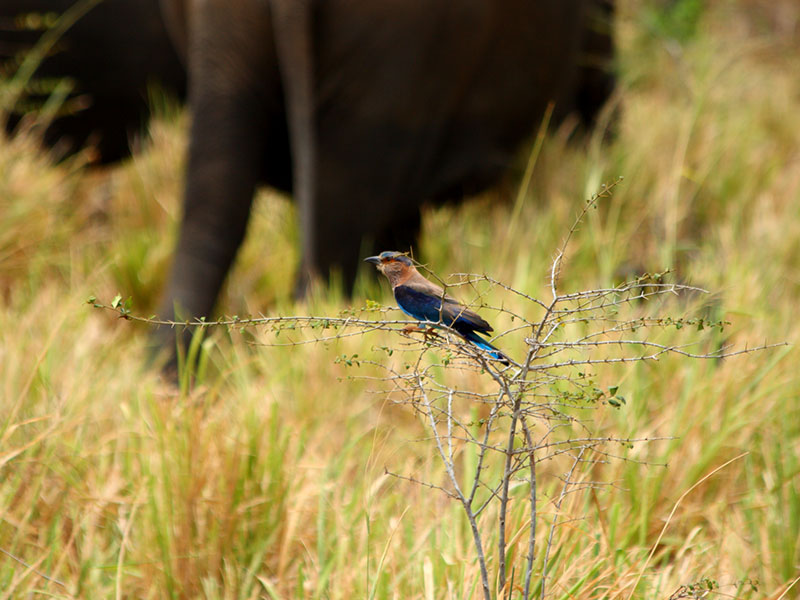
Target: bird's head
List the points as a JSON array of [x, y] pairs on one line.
[[395, 265]]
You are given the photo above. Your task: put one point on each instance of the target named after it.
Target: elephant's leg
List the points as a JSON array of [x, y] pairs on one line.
[[351, 226], [402, 235], [292, 20], [232, 91], [595, 77]]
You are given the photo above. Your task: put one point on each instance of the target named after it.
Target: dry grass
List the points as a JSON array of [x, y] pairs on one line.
[[268, 479]]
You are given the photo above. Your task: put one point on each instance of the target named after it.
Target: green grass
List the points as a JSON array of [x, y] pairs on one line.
[[268, 478]]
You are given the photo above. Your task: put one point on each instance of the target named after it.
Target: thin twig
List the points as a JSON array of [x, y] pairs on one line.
[[33, 569], [567, 482], [531, 511], [476, 536]]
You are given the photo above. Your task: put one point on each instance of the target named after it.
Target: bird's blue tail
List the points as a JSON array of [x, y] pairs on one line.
[[484, 345]]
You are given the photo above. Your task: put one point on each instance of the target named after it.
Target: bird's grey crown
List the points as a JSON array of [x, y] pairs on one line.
[[398, 256]]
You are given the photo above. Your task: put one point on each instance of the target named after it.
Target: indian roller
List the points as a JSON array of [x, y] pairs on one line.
[[425, 301]]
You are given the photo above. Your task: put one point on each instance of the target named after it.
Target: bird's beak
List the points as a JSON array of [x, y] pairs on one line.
[[375, 260]]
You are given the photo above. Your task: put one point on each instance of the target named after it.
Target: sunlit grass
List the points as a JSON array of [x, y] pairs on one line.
[[268, 478]]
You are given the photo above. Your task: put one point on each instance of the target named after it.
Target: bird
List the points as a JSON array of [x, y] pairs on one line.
[[425, 301]]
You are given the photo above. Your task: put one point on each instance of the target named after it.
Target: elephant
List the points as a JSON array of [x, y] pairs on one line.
[[363, 111], [113, 53]]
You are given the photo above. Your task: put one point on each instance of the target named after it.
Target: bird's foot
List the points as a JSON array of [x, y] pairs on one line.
[[430, 332], [426, 331]]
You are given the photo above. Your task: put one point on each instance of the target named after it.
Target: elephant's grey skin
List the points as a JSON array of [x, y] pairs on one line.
[[113, 53], [373, 107]]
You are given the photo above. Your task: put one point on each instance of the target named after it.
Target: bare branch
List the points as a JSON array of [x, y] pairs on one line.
[[513, 418]]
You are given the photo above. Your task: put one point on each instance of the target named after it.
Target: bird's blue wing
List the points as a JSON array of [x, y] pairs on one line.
[[425, 306], [418, 304], [462, 319]]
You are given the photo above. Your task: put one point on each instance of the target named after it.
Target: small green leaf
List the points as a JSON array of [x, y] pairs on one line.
[[116, 301]]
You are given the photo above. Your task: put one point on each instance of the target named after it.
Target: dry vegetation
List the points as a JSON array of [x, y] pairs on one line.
[[268, 479]]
